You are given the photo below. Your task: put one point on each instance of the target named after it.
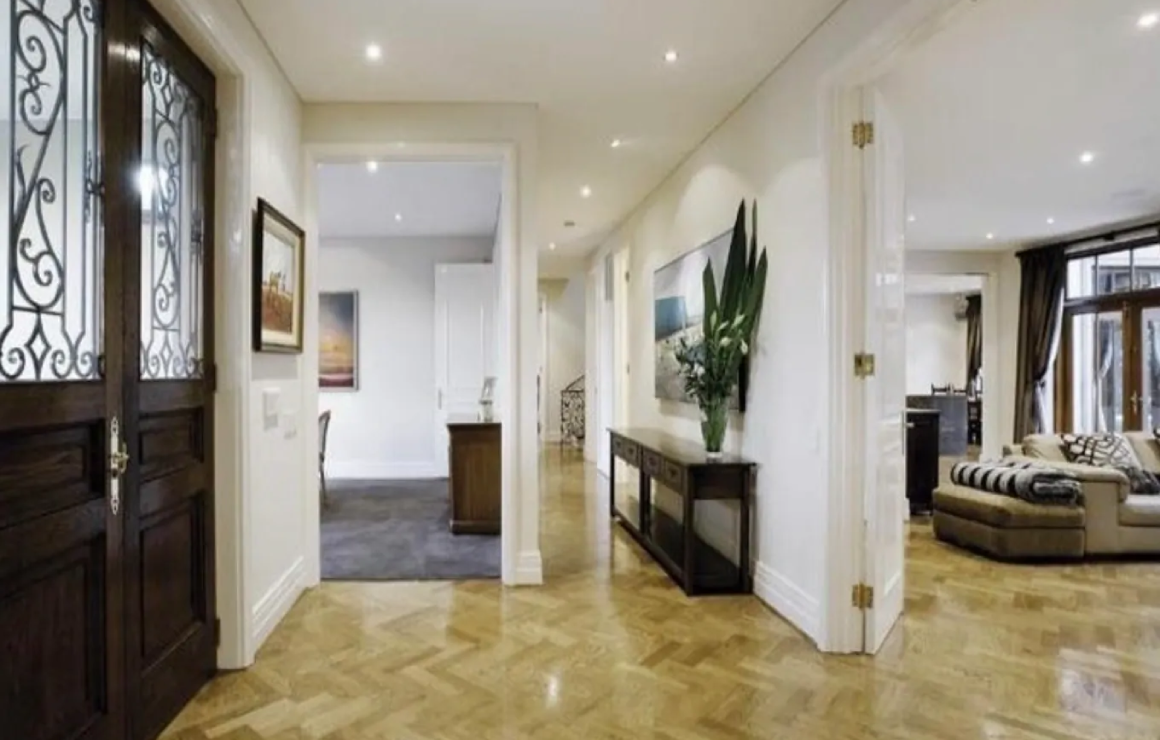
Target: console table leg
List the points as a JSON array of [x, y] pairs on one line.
[[690, 533], [744, 568], [611, 481], [645, 503]]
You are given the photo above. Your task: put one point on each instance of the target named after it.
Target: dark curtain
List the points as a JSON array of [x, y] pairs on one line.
[[974, 339], [1043, 273]]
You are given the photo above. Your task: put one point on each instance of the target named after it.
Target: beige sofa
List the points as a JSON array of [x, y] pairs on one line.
[[1112, 520]]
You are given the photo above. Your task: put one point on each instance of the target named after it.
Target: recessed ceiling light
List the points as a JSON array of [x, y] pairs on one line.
[[1050, 220], [1087, 157], [374, 52], [615, 144], [552, 245], [990, 237], [671, 56], [911, 218], [372, 166], [585, 192], [398, 217], [1148, 20]]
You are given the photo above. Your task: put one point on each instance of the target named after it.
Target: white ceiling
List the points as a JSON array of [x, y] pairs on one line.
[[927, 284], [433, 199], [595, 67], [998, 107]]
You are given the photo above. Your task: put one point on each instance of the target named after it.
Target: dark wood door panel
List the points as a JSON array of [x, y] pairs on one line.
[[42, 471], [53, 681]]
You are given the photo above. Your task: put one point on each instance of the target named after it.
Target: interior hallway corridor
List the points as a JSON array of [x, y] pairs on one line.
[[609, 648]]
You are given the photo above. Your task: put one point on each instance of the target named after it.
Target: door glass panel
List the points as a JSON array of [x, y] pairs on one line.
[[1081, 274], [1097, 346], [1149, 394], [170, 181], [52, 262]]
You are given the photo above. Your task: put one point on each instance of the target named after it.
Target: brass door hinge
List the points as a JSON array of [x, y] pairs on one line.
[[863, 364], [863, 134], [862, 596]]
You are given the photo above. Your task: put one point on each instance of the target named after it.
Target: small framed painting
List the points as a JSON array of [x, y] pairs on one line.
[[279, 246], [338, 341]]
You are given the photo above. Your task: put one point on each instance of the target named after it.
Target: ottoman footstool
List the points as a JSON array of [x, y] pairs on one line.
[[1007, 528]]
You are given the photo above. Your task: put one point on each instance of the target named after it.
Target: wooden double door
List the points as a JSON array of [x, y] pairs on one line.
[[107, 618]]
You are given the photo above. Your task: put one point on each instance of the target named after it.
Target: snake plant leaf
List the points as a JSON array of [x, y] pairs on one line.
[[732, 288], [709, 287]]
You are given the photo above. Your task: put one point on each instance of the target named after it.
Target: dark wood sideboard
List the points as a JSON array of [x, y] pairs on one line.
[[682, 467], [922, 453], [475, 476]]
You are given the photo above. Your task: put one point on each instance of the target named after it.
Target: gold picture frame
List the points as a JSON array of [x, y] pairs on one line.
[[279, 284]]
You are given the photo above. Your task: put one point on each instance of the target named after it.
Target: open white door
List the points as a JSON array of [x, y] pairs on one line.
[[885, 397], [464, 345]]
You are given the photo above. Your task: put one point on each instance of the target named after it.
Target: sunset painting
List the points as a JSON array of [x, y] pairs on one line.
[[338, 341]]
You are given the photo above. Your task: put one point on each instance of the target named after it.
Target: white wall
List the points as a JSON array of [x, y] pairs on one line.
[[489, 131], [386, 429], [936, 343], [261, 502], [566, 338]]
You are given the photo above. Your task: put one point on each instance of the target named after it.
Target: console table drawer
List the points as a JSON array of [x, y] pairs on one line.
[[626, 450], [673, 476], [651, 463]]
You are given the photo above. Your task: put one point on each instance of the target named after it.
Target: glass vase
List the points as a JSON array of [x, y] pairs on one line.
[[714, 417]]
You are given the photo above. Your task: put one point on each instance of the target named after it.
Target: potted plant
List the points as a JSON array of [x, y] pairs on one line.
[[711, 363]]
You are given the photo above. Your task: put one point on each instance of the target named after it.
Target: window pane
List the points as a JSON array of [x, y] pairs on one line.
[[1097, 347], [1147, 267], [1081, 277], [1113, 272], [50, 300]]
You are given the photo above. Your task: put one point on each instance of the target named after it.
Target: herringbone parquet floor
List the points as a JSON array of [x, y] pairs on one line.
[[609, 648]]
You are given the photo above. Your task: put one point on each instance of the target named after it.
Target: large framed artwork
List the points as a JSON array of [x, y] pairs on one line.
[[279, 246], [678, 312], [338, 341]]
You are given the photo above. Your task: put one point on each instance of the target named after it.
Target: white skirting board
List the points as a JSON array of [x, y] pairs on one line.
[[272, 607], [796, 606], [339, 470], [529, 569]]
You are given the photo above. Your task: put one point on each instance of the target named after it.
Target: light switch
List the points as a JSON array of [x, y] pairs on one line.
[[290, 424], [270, 398]]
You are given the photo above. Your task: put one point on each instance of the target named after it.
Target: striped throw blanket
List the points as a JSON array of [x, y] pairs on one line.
[[1031, 482]]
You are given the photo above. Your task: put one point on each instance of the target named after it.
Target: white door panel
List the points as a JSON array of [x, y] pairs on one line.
[[464, 345], [885, 502]]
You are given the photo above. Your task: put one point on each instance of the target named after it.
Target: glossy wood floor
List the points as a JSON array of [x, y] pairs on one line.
[[609, 648]]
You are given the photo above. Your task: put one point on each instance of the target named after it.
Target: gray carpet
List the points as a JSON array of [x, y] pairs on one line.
[[397, 531]]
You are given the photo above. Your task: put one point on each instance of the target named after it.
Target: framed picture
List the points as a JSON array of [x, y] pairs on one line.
[[338, 341], [279, 246], [679, 312]]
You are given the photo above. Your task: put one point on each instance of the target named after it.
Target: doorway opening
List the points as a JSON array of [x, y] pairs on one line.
[[945, 370], [410, 468], [968, 205]]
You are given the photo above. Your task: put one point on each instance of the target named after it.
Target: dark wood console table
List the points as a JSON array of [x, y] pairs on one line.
[[683, 467]]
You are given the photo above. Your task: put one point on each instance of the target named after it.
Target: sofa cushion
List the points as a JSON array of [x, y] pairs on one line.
[[1003, 511], [1140, 511], [1043, 447], [1147, 449], [1103, 450]]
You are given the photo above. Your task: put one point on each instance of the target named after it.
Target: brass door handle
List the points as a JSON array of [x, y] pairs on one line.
[[118, 464]]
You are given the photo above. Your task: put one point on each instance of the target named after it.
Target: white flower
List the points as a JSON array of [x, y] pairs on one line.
[[737, 321], [700, 371], [725, 341], [744, 347]]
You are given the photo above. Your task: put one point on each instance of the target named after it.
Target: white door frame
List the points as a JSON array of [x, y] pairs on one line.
[[840, 104], [605, 385], [516, 497]]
